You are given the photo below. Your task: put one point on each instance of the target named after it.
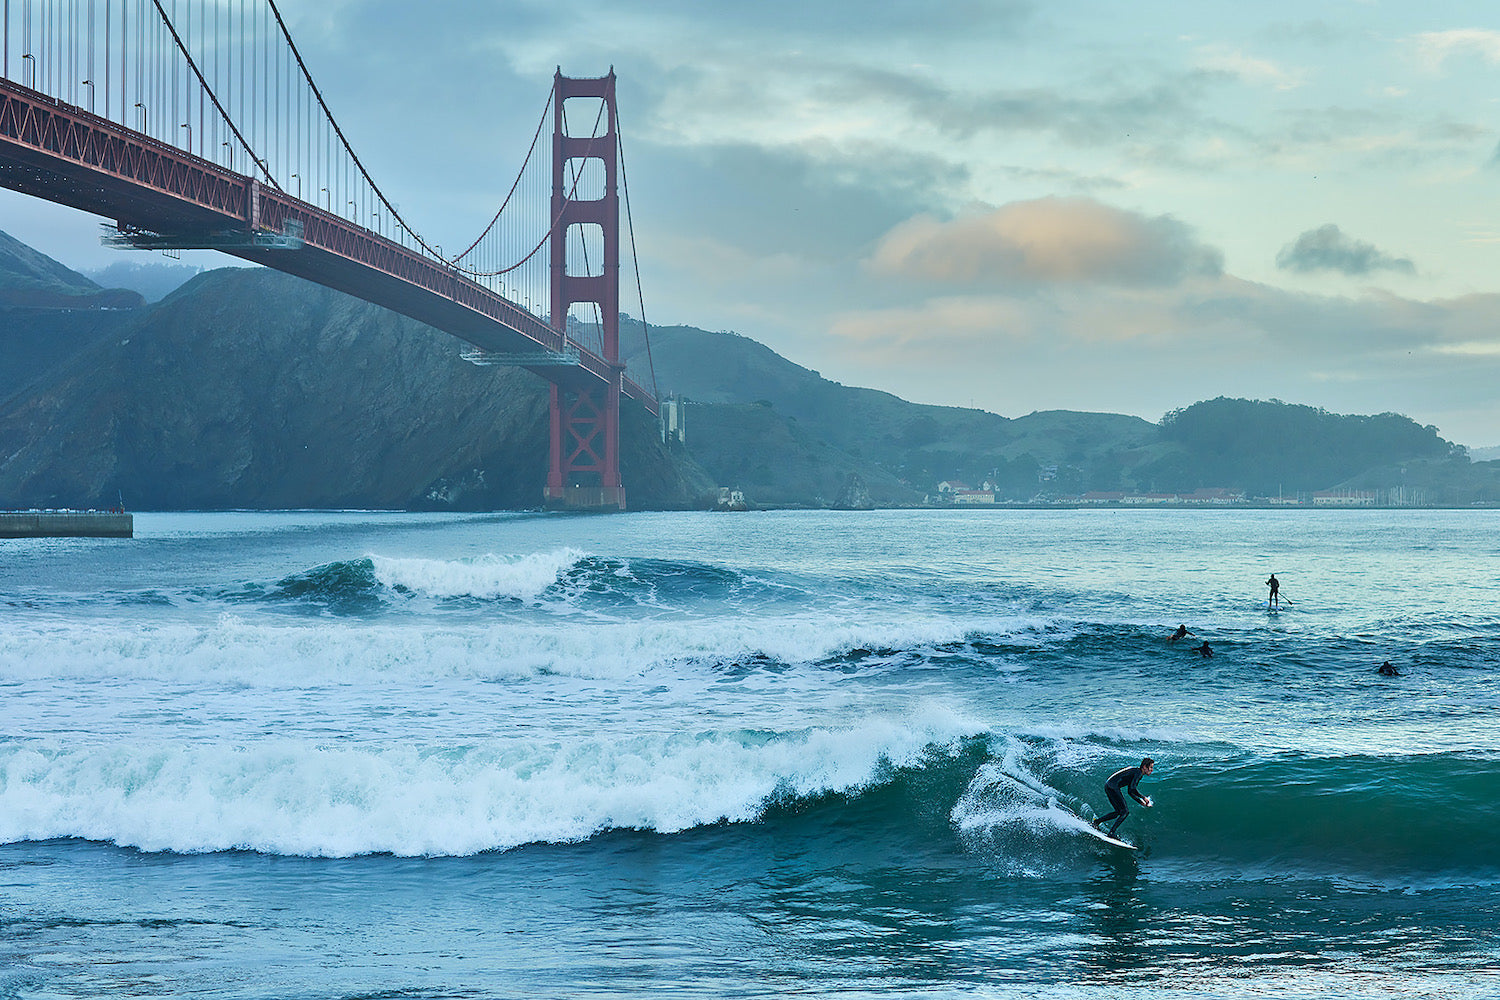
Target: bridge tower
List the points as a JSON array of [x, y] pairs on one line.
[[585, 434]]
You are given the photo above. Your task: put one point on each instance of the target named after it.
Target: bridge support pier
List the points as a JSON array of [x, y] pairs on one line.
[[585, 444]]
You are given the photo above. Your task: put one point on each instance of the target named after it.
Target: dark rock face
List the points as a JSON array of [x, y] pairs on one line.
[[249, 388], [854, 495]]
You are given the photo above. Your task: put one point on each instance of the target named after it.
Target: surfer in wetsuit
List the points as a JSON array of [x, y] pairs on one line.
[[1128, 778], [1206, 651], [1275, 586], [1387, 670], [1182, 631]]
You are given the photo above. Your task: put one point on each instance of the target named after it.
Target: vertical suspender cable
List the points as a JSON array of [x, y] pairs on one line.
[[241, 36], [198, 74], [140, 66], [206, 48], [635, 259], [252, 125], [171, 68]]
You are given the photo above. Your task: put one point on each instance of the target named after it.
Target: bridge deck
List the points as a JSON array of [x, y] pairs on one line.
[[64, 154]]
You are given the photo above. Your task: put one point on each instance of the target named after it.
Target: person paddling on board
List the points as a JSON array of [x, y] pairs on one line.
[[1182, 631], [1275, 586], [1206, 651], [1128, 778]]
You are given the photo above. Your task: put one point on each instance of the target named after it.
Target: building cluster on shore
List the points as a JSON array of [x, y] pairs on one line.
[[953, 493]]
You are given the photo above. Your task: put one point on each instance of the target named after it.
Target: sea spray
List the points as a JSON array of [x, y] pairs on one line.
[[329, 800], [487, 577]]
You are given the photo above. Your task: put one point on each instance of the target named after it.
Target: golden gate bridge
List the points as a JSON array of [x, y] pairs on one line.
[[197, 124]]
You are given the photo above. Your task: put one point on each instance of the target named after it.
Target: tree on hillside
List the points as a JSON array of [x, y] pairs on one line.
[[1267, 446]]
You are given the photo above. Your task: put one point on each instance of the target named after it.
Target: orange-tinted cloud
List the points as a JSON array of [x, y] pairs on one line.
[[1046, 241]]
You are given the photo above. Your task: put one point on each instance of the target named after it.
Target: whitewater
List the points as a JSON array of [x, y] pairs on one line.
[[343, 754]]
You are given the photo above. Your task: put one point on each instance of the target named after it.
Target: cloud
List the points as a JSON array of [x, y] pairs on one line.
[[1046, 241], [1437, 47], [1249, 68], [1328, 249], [1135, 351]]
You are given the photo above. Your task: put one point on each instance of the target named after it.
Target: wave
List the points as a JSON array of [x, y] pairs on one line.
[[245, 650], [295, 798], [928, 780], [1229, 810], [485, 578], [564, 580]]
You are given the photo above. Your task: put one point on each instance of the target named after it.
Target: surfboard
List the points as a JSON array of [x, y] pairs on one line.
[[1094, 831], [1110, 840]]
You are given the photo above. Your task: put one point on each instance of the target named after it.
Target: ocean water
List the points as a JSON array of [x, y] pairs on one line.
[[731, 755]]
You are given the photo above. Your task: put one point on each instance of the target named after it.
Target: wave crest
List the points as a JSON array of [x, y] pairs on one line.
[[287, 797]]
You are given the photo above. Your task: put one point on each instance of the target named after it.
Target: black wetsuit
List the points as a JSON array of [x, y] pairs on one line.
[[1128, 778]]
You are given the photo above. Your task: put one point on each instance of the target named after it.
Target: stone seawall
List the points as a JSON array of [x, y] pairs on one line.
[[66, 524]]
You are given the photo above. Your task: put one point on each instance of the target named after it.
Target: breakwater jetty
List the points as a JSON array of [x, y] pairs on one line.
[[66, 524]]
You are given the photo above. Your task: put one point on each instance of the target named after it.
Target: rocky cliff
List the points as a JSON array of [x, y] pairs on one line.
[[249, 388]]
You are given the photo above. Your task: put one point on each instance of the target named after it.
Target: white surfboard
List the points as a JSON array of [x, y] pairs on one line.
[[1108, 839], [1094, 831]]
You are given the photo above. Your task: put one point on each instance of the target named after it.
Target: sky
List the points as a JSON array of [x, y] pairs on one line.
[[1008, 205]]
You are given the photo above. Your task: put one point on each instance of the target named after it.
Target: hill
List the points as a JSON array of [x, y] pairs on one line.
[[29, 278], [248, 388], [783, 434]]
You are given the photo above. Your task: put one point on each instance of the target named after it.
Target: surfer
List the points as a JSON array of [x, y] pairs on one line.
[[1206, 651], [1128, 778], [1182, 630], [1387, 670], [1275, 586]]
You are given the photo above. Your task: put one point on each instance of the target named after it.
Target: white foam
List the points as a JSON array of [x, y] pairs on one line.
[[487, 577], [302, 798], [265, 652]]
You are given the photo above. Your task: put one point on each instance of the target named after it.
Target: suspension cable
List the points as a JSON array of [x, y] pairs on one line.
[[307, 75], [517, 183], [555, 220], [635, 259]]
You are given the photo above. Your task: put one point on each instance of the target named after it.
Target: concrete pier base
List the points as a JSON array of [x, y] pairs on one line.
[[66, 524], [589, 498]]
